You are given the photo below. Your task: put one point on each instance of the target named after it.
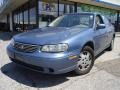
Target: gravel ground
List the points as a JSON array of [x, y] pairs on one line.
[[105, 74]]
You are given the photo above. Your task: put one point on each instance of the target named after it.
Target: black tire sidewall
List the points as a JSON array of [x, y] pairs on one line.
[[112, 44], [110, 48]]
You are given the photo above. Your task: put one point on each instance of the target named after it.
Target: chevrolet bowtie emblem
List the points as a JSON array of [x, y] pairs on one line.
[[21, 47]]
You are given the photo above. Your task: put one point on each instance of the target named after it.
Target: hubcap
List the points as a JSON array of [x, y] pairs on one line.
[[85, 60]]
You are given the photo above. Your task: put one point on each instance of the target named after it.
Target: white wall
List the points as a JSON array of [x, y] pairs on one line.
[[11, 24]]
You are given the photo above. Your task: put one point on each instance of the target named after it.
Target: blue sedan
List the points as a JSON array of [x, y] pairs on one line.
[[69, 43]]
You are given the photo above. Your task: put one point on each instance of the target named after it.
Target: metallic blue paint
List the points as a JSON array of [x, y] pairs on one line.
[[75, 37]]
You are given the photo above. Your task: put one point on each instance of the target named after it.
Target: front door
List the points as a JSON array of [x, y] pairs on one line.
[[100, 35]]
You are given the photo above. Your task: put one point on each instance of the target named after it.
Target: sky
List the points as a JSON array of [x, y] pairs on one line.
[[116, 2], [0, 2]]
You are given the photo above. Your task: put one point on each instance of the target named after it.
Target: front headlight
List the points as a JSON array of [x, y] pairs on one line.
[[12, 42], [54, 48]]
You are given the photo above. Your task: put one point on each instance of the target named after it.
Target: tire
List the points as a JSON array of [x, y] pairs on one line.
[[85, 62], [110, 48]]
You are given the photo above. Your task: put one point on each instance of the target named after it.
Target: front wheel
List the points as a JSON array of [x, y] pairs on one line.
[[86, 61]]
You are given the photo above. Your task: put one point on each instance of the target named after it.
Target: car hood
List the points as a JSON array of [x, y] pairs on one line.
[[47, 35]]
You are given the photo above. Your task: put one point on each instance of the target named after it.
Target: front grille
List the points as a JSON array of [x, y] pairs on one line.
[[25, 47]]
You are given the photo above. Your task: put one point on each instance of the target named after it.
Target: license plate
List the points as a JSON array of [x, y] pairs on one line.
[[17, 56]]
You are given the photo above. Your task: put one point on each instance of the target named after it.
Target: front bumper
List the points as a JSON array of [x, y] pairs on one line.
[[52, 63]]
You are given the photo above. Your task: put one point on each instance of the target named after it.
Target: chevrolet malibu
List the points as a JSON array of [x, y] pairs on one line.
[[69, 43]]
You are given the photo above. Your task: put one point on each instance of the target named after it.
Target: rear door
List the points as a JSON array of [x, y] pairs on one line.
[[110, 30]]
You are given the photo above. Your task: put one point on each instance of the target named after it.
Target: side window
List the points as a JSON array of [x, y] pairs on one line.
[[99, 23], [107, 22], [99, 20]]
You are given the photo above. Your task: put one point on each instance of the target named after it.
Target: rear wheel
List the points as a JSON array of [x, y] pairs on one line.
[[86, 61]]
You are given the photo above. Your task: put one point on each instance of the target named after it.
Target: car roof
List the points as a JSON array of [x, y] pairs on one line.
[[94, 13]]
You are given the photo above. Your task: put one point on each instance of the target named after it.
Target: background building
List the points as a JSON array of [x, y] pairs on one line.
[[23, 15]]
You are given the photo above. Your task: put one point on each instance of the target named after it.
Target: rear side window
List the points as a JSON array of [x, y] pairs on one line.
[[107, 22]]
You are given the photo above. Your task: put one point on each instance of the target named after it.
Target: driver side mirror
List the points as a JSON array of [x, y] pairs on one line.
[[100, 26]]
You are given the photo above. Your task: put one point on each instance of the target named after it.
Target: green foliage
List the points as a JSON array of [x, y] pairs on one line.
[[105, 11]]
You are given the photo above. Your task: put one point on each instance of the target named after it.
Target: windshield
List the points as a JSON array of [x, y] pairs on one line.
[[74, 20]]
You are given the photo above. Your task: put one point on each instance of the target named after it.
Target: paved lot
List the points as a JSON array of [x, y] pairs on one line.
[[105, 74]]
